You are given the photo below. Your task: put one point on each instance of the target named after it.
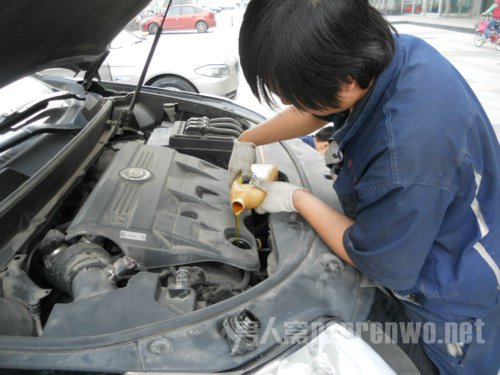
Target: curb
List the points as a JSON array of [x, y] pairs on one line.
[[461, 29]]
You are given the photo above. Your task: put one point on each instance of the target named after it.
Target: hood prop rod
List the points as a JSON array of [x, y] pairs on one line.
[[128, 119]]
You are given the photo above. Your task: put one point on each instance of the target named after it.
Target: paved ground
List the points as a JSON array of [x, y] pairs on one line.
[[463, 24], [479, 66]]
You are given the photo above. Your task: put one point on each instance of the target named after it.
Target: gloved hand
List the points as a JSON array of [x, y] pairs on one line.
[[242, 158], [279, 196]]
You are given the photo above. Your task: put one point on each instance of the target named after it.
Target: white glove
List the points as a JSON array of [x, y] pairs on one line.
[[242, 158], [279, 196]]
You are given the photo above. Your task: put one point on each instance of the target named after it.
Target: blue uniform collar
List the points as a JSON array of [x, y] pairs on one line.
[[367, 105]]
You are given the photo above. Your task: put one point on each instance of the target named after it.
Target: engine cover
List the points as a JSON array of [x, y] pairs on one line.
[[164, 208]]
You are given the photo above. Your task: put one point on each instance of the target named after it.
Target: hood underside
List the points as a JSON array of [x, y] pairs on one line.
[[54, 33]]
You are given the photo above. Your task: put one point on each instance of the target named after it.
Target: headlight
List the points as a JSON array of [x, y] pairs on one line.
[[217, 71], [335, 351]]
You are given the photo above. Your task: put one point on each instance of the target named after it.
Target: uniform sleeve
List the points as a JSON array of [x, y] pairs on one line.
[[394, 230]]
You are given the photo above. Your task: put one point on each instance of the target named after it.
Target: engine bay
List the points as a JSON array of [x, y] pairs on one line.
[[147, 235], [119, 249]]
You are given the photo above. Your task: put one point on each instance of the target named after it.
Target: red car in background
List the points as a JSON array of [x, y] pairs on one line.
[[181, 17]]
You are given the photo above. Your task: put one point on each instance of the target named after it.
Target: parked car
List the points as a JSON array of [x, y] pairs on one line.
[[214, 72], [118, 251], [182, 17]]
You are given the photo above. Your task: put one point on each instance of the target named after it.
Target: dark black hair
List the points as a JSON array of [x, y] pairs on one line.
[[324, 134], [304, 50]]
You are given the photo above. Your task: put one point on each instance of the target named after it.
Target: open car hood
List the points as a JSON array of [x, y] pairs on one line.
[[54, 33]]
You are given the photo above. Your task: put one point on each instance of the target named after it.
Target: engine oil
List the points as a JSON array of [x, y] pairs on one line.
[[245, 196]]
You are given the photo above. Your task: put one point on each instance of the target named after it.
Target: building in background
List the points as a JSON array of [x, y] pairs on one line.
[[447, 8]]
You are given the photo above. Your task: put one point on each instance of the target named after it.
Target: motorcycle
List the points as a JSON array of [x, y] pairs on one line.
[[493, 37]]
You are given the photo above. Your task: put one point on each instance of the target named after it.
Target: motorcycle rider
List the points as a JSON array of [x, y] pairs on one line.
[[494, 10]]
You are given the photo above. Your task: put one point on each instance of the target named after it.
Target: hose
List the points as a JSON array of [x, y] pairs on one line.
[[244, 281]]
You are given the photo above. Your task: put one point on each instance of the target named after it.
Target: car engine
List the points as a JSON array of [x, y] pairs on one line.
[[153, 237]]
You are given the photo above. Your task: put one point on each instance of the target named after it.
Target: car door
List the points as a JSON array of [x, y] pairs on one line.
[[187, 18], [172, 21]]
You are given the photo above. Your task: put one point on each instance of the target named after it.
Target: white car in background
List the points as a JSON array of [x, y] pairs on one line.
[[174, 65]]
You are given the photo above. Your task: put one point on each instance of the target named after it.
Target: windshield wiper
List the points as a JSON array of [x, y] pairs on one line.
[[30, 109], [13, 138]]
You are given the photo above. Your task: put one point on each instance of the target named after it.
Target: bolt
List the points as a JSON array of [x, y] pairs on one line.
[[160, 346], [332, 263]]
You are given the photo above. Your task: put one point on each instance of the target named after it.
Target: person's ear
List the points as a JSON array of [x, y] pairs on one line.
[[349, 86], [321, 147]]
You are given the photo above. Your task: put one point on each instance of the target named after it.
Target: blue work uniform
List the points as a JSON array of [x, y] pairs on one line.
[[308, 139], [420, 175]]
